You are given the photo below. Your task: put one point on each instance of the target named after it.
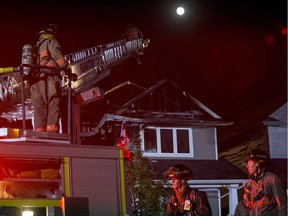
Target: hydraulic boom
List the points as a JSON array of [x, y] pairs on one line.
[[88, 67]]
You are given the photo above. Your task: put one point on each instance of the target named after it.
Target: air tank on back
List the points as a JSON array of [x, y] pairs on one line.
[[27, 58]]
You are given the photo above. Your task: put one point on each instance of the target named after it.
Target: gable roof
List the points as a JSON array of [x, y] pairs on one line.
[[271, 113], [164, 103], [278, 117], [253, 118], [172, 95]]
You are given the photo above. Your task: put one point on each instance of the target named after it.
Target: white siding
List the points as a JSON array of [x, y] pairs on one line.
[[204, 141], [278, 142]]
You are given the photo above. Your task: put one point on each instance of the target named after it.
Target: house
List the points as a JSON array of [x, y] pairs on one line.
[[174, 127], [264, 127]]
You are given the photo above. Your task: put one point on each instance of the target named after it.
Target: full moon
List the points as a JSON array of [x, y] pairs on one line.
[[180, 11]]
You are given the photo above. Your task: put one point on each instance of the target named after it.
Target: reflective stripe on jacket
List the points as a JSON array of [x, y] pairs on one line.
[[267, 195], [50, 52], [195, 200]]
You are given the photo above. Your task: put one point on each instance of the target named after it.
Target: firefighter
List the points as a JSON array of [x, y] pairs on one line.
[[46, 87], [243, 207], [186, 201], [265, 192], [131, 33]]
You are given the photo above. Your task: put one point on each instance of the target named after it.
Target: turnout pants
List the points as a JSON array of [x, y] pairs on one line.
[[45, 97]]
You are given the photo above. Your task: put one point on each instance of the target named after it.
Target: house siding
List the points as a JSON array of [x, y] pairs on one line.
[[204, 143], [278, 142]]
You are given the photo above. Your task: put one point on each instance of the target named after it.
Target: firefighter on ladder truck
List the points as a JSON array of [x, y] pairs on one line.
[[132, 33], [46, 84], [89, 66]]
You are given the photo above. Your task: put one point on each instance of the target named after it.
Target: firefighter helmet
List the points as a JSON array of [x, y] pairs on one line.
[[49, 29], [257, 155], [179, 171]]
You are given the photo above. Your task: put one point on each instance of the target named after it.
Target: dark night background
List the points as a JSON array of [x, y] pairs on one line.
[[229, 54]]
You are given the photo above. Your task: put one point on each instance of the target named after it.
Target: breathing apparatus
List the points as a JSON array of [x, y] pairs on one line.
[[27, 58]]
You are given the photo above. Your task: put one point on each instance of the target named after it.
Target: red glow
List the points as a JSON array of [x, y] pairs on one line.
[[61, 203], [269, 39], [127, 155], [284, 31]]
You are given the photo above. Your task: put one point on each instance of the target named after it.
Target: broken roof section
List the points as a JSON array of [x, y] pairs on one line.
[[164, 103], [166, 97]]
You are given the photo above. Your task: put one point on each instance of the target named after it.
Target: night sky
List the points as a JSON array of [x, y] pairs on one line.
[[229, 54]]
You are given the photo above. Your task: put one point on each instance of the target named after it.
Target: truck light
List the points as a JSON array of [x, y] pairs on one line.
[[27, 213]]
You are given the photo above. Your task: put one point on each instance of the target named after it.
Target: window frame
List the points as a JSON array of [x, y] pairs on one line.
[[158, 152]]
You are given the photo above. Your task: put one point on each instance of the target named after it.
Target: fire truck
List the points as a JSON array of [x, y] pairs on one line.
[[54, 174]]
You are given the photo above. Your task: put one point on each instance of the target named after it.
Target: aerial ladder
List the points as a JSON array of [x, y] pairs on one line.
[[88, 67], [47, 163]]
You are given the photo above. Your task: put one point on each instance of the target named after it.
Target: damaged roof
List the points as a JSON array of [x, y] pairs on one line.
[[163, 103]]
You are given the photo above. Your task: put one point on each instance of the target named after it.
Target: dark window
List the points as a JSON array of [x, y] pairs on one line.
[[150, 140], [166, 136], [183, 141]]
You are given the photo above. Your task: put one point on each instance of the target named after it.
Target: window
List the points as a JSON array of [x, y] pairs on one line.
[[167, 142]]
